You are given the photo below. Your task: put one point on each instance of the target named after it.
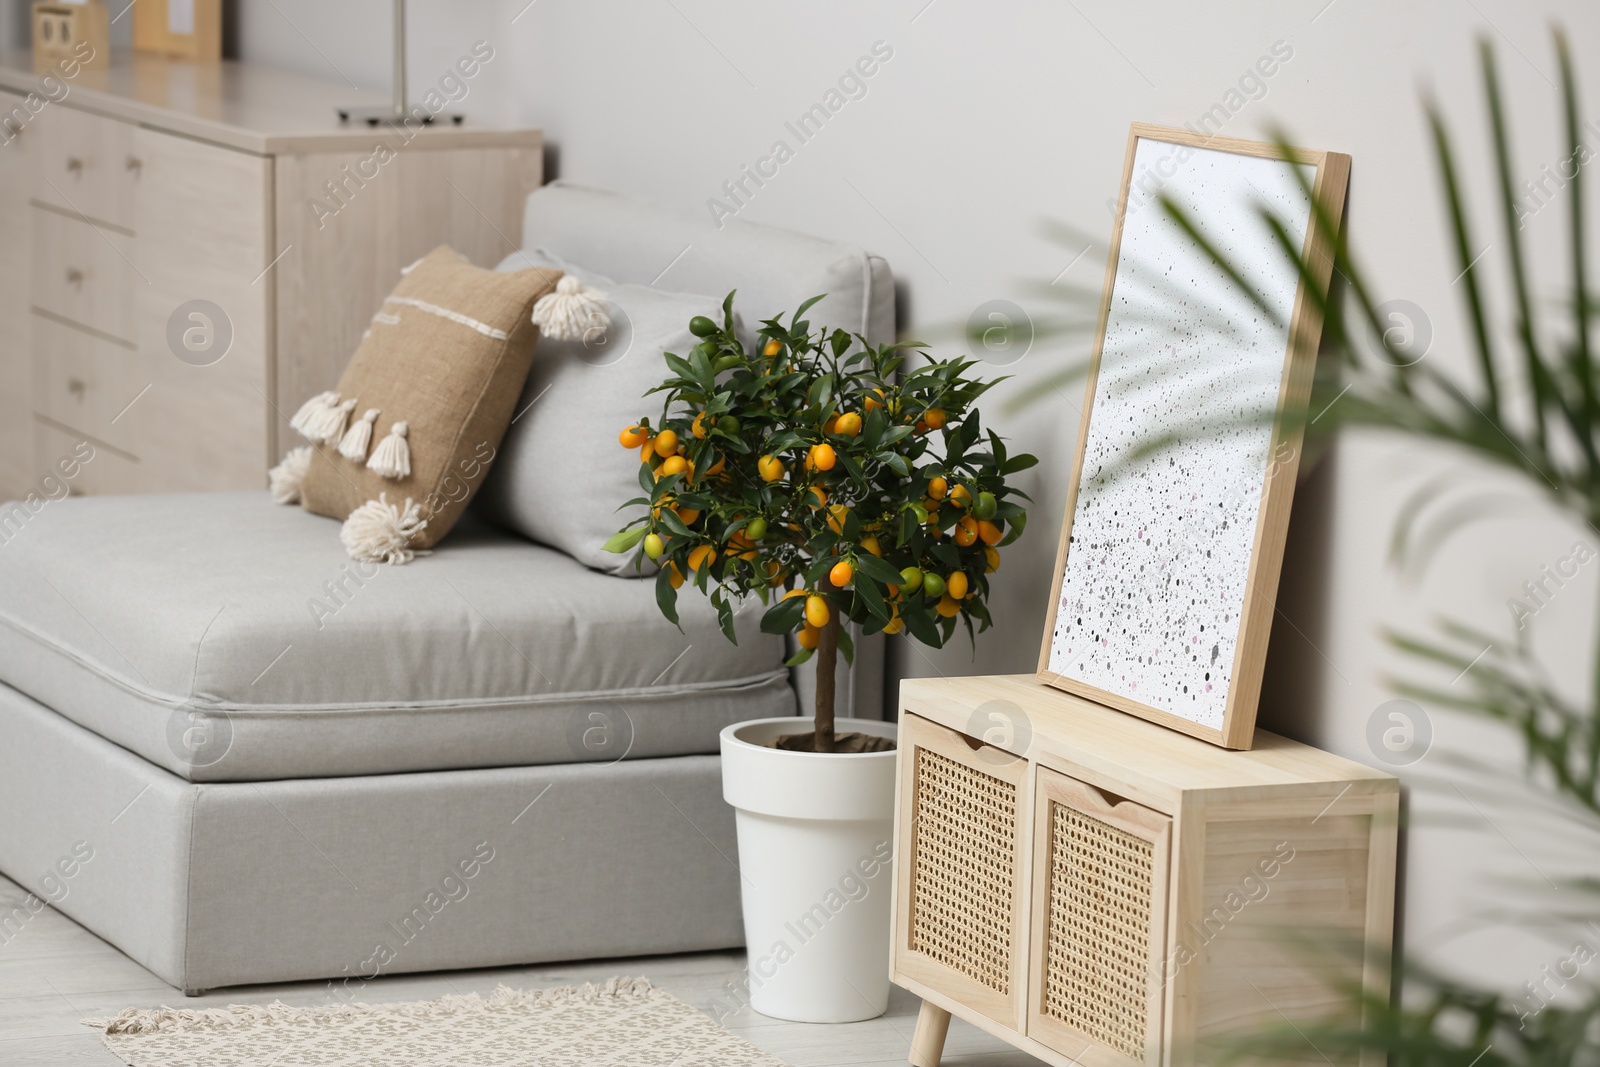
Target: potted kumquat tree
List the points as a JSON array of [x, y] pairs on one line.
[[843, 490]]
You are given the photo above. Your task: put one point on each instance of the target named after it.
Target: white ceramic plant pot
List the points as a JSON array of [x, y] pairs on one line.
[[815, 844]]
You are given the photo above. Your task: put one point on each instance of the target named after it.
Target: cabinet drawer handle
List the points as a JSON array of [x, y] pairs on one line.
[[134, 163], [76, 386], [74, 276], [74, 165]]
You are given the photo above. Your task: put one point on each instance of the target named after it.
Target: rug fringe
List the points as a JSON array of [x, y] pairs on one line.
[[142, 1021]]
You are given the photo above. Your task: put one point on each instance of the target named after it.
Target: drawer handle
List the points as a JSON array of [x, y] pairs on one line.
[[76, 386], [74, 165], [134, 163], [74, 276]]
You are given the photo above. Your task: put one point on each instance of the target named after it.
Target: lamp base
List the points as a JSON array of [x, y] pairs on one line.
[[378, 116]]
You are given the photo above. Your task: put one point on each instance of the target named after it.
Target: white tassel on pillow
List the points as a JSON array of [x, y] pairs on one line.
[[359, 436], [327, 427], [381, 532], [571, 313], [392, 457], [287, 477], [312, 412]]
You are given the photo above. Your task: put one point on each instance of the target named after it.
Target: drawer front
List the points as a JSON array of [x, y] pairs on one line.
[[76, 463], [959, 897], [84, 274], [84, 381], [16, 367], [86, 164], [202, 222], [1098, 924]]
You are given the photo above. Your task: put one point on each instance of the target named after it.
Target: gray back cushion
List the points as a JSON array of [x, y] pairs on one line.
[[561, 473], [631, 240]]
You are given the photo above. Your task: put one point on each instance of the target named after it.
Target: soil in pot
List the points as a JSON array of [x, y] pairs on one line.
[[842, 743]]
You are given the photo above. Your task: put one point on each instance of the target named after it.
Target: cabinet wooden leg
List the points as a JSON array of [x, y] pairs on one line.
[[927, 1044]]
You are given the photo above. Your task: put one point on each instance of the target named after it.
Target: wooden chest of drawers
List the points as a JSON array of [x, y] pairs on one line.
[[1099, 890], [157, 184]]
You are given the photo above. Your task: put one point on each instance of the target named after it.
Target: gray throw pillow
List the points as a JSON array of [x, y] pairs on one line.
[[561, 473]]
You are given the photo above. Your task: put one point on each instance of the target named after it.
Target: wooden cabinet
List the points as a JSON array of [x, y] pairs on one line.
[[1099, 890], [189, 250]]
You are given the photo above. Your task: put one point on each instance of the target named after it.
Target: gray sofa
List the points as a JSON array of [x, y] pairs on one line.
[[491, 756]]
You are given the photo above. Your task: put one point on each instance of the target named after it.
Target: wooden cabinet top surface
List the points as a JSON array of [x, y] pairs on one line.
[[1055, 725], [246, 106]]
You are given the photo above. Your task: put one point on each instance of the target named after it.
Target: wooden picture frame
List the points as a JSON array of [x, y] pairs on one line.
[[182, 29], [1074, 655], [59, 30]]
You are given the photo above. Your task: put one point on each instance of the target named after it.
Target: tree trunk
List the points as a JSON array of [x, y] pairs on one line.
[[826, 660]]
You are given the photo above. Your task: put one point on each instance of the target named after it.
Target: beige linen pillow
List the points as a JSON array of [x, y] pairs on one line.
[[409, 434]]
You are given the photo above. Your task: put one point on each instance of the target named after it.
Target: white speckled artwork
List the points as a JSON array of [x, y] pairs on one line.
[[1160, 549]]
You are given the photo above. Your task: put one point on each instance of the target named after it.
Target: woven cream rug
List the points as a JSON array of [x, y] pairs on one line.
[[621, 1022]]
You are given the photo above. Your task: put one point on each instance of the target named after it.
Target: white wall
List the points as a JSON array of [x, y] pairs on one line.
[[991, 120], [13, 25], [351, 42]]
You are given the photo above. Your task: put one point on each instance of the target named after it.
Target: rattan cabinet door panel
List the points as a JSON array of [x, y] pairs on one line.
[[960, 902], [1098, 925]]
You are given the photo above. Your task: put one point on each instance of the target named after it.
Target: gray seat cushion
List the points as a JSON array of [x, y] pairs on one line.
[[228, 639]]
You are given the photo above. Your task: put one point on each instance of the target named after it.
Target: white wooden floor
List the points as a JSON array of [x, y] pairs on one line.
[[55, 973]]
